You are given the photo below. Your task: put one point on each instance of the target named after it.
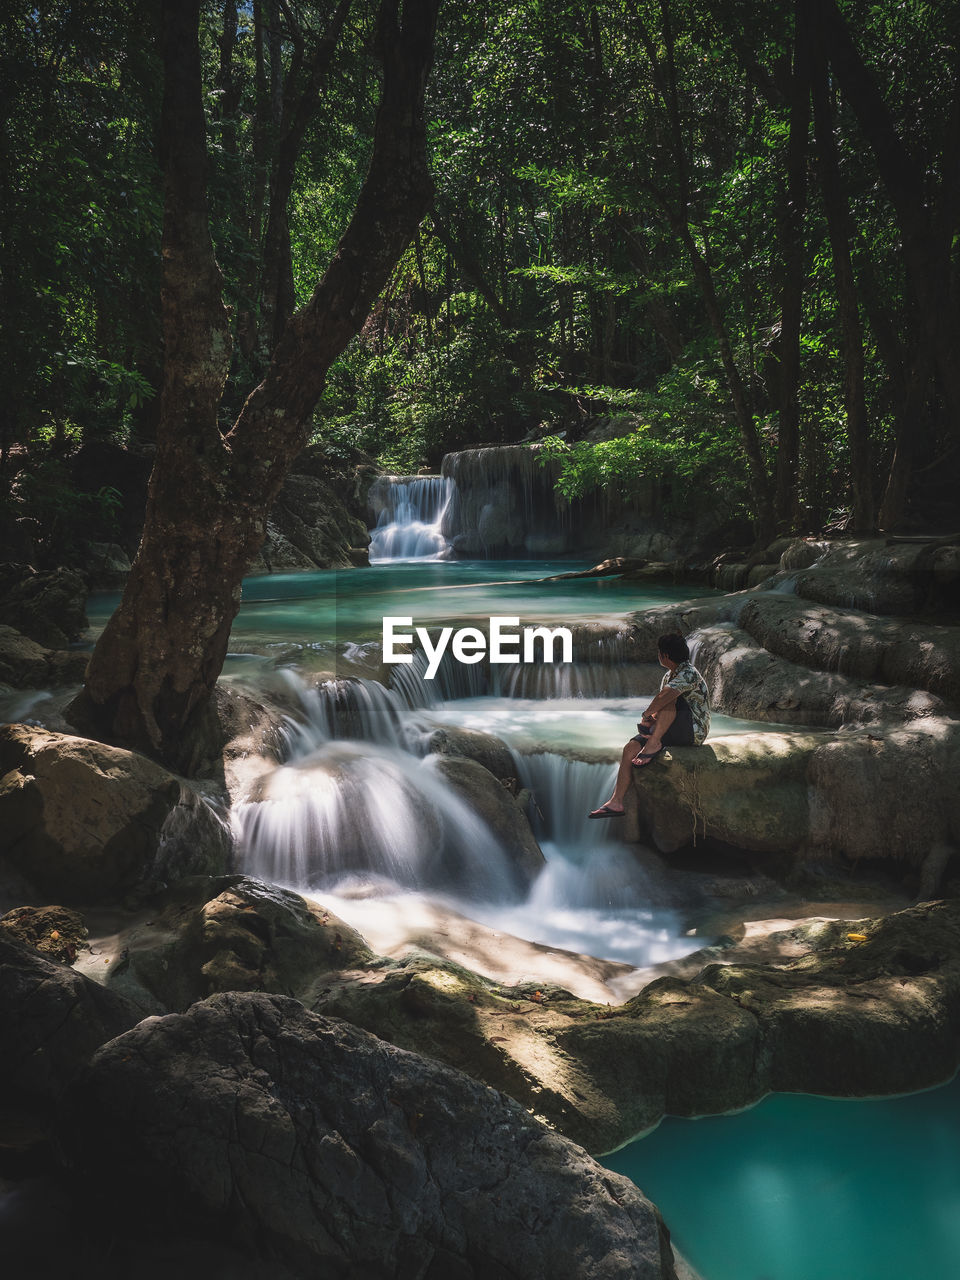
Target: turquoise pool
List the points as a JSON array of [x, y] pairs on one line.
[[805, 1188]]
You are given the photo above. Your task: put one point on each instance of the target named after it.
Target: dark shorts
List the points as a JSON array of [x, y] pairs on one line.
[[680, 733]]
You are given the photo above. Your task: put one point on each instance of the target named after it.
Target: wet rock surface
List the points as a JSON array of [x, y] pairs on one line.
[[325, 1146], [48, 607], [803, 650], [749, 681], [57, 933], [316, 521], [485, 748], [856, 796], [53, 1020], [25, 664], [228, 933], [85, 821], [498, 808], [919, 655], [851, 1008]]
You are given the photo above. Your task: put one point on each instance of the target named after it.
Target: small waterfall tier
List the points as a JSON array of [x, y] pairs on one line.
[[409, 513], [506, 505]]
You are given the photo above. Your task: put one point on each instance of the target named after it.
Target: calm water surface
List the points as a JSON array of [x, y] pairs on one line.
[[349, 604], [804, 1188]]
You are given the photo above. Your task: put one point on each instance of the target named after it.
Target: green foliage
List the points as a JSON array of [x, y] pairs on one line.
[[675, 435], [549, 282], [63, 518], [80, 217], [408, 400]]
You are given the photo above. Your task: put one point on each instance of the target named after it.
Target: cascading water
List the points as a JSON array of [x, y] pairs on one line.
[[595, 896], [410, 511], [372, 814], [354, 811]]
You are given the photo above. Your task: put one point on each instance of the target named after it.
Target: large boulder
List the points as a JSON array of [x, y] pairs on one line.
[[829, 639], [891, 795], [748, 680], [852, 795], [854, 1008], [85, 821], [48, 607], [227, 933], [311, 527], [748, 790], [312, 1140], [494, 803], [53, 1020], [58, 933], [485, 748], [885, 576], [106, 566], [24, 664]]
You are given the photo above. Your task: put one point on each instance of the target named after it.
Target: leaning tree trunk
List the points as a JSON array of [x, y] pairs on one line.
[[150, 679]]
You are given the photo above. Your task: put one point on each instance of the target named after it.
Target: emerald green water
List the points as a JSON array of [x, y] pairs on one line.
[[804, 1188], [349, 604]]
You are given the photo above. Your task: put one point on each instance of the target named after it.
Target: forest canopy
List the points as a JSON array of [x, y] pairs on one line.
[[729, 228]]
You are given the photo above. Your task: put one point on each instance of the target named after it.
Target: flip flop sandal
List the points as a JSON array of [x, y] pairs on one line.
[[643, 759], [606, 812]]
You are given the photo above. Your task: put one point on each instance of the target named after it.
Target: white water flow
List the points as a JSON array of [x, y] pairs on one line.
[[355, 815], [410, 511], [595, 896]]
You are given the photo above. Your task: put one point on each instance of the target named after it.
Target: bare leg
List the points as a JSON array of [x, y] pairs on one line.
[[633, 750], [664, 719], [624, 775]]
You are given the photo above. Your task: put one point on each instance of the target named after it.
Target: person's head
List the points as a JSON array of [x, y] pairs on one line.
[[674, 647]]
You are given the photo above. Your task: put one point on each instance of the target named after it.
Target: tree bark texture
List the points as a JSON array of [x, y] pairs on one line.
[[792, 252], [927, 225], [300, 99], [152, 674], [851, 328]]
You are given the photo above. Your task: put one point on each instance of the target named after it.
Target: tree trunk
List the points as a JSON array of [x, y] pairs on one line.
[[247, 327], [300, 94], [152, 674], [838, 226], [927, 234], [792, 254], [678, 215]]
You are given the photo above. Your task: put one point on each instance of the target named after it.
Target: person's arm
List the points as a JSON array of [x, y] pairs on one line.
[[664, 698]]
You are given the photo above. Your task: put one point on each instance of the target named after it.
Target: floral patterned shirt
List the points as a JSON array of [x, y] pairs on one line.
[[688, 682]]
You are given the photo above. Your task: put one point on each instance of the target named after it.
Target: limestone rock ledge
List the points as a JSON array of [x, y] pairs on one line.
[[852, 1009], [860, 794]]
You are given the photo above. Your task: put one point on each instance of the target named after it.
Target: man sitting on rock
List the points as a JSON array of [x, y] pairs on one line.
[[679, 716]]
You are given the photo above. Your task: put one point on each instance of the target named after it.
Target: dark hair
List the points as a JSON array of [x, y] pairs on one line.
[[674, 647]]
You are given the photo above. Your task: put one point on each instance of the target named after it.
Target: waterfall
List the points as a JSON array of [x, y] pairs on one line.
[[365, 710], [545, 681], [352, 810], [371, 814], [506, 504], [410, 512], [357, 799], [596, 895]]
